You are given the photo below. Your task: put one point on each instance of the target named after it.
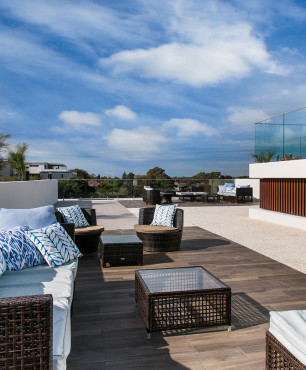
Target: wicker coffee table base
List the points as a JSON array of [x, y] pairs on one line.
[[278, 357], [183, 310]]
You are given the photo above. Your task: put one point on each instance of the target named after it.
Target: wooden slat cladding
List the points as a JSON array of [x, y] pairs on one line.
[[283, 195]]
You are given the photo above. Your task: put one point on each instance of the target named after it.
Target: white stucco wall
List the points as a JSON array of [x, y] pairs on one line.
[[295, 169], [28, 194], [254, 183]]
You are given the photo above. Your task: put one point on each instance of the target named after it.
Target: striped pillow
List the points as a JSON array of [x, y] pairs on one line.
[[164, 215], [74, 215], [55, 244]]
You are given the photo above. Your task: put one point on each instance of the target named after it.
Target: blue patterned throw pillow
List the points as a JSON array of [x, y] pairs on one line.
[[164, 215], [55, 244], [18, 250], [73, 215], [2, 263]]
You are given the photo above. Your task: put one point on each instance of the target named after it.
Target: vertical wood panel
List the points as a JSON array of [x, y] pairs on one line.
[[284, 195]]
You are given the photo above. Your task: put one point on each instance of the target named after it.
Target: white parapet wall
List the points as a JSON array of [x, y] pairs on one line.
[[294, 169], [254, 183], [28, 194], [278, 218]]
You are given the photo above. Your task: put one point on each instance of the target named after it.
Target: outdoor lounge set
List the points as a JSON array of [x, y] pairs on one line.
[[235, 194], [38, 266]]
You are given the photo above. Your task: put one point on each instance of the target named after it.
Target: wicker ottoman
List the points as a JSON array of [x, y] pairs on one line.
[[118, 250], [159, 238]]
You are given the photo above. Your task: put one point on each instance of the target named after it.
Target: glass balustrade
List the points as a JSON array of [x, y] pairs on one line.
[[126, 188], [285, 135]]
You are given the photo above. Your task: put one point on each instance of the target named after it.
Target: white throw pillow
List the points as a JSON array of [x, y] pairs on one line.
[[74, 215], [54, 244], [164, 215]]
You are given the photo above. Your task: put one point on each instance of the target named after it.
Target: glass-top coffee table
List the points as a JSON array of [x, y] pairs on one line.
[[186, 297]]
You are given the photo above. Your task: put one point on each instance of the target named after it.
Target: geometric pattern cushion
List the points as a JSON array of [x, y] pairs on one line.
[[18, 250], [164, 215], [55, 244], [2, 263], [73, 215]]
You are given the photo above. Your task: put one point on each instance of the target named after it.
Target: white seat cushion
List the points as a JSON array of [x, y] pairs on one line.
[[289, 328]]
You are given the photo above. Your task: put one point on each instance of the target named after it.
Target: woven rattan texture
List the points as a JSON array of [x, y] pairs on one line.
[[177, 310], [278, 357], [122, 254], [151, 196], [161, 242], [26, 332]]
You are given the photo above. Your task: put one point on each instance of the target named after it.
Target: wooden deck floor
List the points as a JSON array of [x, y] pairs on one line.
[[108, 331]]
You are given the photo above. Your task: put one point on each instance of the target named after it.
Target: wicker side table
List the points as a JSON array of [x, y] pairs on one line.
[[118, 250], [178, 298]]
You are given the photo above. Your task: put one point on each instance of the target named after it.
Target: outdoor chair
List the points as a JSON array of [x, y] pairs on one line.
[[87, 238], [159, 238], [151, 196]]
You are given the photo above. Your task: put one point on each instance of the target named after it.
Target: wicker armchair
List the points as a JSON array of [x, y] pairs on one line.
[[151, 196], [159, 238], [87, 238]]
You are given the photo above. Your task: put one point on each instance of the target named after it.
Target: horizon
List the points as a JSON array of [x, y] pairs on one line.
[[113, 87]]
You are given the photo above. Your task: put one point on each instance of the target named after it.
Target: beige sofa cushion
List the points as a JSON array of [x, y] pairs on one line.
[[149, 229], [89, 230]]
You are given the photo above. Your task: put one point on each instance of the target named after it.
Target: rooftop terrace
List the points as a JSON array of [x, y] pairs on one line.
[[108, 331]]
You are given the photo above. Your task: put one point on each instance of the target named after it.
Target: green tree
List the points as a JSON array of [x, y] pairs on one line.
[[81, 174], [262, 157], [3, 146], [74, 189], [16, 157], [158, 173]]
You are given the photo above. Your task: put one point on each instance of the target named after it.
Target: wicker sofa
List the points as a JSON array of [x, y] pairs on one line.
[[159, 238], [235, 194], [286, 340], [35, 310]]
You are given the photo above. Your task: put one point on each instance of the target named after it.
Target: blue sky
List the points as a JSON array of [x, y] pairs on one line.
[[113, 86]]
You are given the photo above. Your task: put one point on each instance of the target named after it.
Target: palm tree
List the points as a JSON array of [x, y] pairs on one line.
[[16, 158], [262, 157]]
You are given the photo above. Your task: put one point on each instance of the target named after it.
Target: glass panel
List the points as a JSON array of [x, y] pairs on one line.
[[269, 138], [285, 135], [120, 239], [180, 279]]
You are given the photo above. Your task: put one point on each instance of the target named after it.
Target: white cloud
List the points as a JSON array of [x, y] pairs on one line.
[[185, 127], [243, 119], [201, 53], [121, 112], [79, 118], [139, 143]]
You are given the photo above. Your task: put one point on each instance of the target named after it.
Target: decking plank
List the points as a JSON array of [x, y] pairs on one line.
[[108, 331]]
